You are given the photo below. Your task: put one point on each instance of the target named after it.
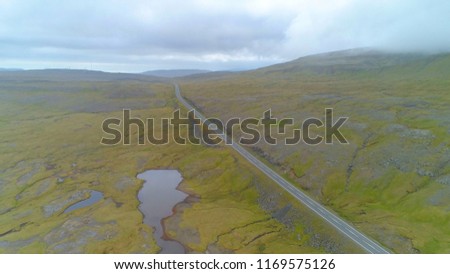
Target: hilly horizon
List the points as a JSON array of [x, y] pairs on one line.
[[348, 60], [170, 73]]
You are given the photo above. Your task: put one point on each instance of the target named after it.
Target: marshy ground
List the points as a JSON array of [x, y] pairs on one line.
[[51, 159]]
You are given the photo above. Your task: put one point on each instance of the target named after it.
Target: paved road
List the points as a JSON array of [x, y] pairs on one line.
[[345, 228]]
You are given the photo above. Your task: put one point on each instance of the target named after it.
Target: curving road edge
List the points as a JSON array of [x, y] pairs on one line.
[[344, 227]]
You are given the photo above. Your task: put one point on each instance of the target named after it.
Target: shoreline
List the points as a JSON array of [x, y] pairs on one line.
[[164, 233]]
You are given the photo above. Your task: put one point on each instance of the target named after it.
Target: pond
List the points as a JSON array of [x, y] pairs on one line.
[[93, 198], [158, 196]]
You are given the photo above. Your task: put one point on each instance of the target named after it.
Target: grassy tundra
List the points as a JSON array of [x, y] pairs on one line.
[[393, 179], [51, 158]]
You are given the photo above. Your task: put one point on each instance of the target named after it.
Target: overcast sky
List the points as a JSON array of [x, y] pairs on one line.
[[139, 35]]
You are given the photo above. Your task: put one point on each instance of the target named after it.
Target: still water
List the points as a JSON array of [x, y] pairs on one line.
[[158, 196], [95, 197]]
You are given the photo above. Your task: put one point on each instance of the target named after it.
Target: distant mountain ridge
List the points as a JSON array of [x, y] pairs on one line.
[[11, 69], [62, 75], [170, 73]]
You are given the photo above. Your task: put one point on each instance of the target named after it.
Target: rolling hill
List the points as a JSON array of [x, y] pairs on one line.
[[393, 178]]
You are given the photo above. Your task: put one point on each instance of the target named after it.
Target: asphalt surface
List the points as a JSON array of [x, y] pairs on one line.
[[341, 225]]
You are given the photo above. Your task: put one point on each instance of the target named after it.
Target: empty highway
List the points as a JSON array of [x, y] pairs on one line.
[[341, 225]]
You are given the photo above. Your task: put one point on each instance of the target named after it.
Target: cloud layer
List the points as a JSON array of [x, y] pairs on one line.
[[139, 35]]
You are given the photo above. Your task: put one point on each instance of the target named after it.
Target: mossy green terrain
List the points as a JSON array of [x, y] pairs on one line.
[[51, 157], [393, 180]]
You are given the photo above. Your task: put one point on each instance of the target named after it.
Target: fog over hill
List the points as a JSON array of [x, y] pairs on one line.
[[210, 35]]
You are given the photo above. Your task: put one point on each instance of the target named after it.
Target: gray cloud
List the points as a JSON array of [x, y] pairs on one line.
[[140, 35]]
